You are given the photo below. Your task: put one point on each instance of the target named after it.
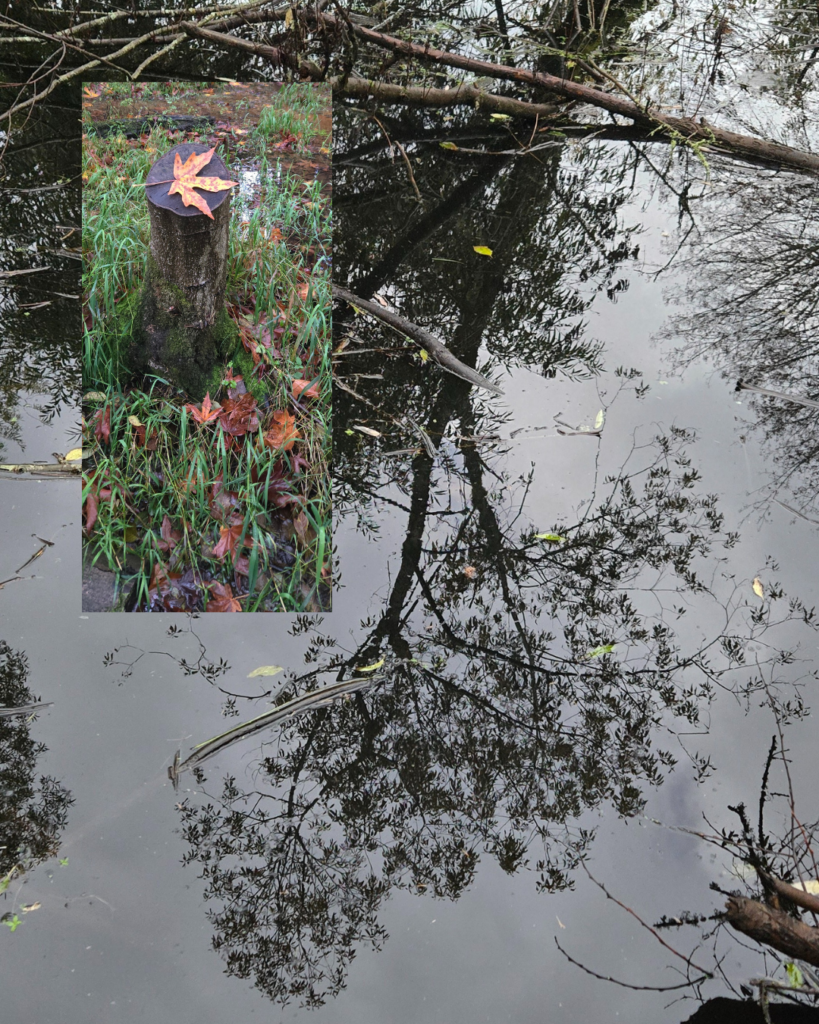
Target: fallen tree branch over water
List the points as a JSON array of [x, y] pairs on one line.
[[680, 129], [774, 928], [434, 346], [43, 468]]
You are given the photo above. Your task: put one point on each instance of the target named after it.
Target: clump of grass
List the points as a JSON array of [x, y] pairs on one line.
[[294, 112], [160, 491]]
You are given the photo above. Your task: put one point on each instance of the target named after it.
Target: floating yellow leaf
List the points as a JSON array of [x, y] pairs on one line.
[[482, 250], [74, 455], [265, 670], [447, 145], [373, 667], [812, 885], [553, 538], [758, 588], [423, 355]]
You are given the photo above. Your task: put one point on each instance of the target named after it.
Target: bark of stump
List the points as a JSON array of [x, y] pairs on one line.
[[186, 333]]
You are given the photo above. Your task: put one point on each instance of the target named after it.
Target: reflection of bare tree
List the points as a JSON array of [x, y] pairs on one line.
[[528, 680], [505, 718], [752, 305], [33, 811]]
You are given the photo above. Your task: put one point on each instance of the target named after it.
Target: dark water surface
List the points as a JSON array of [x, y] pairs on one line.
[[411, 854]]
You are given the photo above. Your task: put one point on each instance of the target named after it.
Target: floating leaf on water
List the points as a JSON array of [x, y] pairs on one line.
[[447, 145], [367, 430], [759, 590], [794, 975], [74, 455], [265, 670], [553, 538], [482, 250], [500, 117], [470, 571], [601, 419], [811, 885], [423, 355], [595, 652], [28, 907], [373, 667]]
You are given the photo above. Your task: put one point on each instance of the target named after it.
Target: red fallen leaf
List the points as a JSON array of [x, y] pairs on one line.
[[175, 592], [222, 599], [222, 502], [283, 433], [91, 510], [207, 413], [92, 502], [229, 537], [139, 438], [300, 526], [102, 424], [277, 485], [301, 386], [239, 415], [170, 537], [242, 566], [298, 462]]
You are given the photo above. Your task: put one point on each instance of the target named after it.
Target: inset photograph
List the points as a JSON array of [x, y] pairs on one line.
[[206, 373]]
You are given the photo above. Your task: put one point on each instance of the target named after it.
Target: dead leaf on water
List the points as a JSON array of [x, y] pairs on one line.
[[265, 670], [759, 590], [373, 667], [367, 430]]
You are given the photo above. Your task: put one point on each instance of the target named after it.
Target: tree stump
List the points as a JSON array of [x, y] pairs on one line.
[[185, 331]]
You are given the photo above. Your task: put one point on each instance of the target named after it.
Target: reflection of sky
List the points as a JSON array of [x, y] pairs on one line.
[[122, 935]]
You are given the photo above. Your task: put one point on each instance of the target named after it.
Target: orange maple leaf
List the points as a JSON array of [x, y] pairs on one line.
[[283, 433], [207, 412], [186, 180], [299, 387]]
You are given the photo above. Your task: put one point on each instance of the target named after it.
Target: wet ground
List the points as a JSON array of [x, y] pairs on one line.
[[236, 106]]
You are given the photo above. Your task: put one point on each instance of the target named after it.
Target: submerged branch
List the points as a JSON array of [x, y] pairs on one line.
[[316, 698], [436, 348]]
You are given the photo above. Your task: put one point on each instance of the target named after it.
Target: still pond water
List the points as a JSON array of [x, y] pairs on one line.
[[411, 854]]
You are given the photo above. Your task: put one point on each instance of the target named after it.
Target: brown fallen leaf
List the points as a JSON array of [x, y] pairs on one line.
[[283, 433]]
